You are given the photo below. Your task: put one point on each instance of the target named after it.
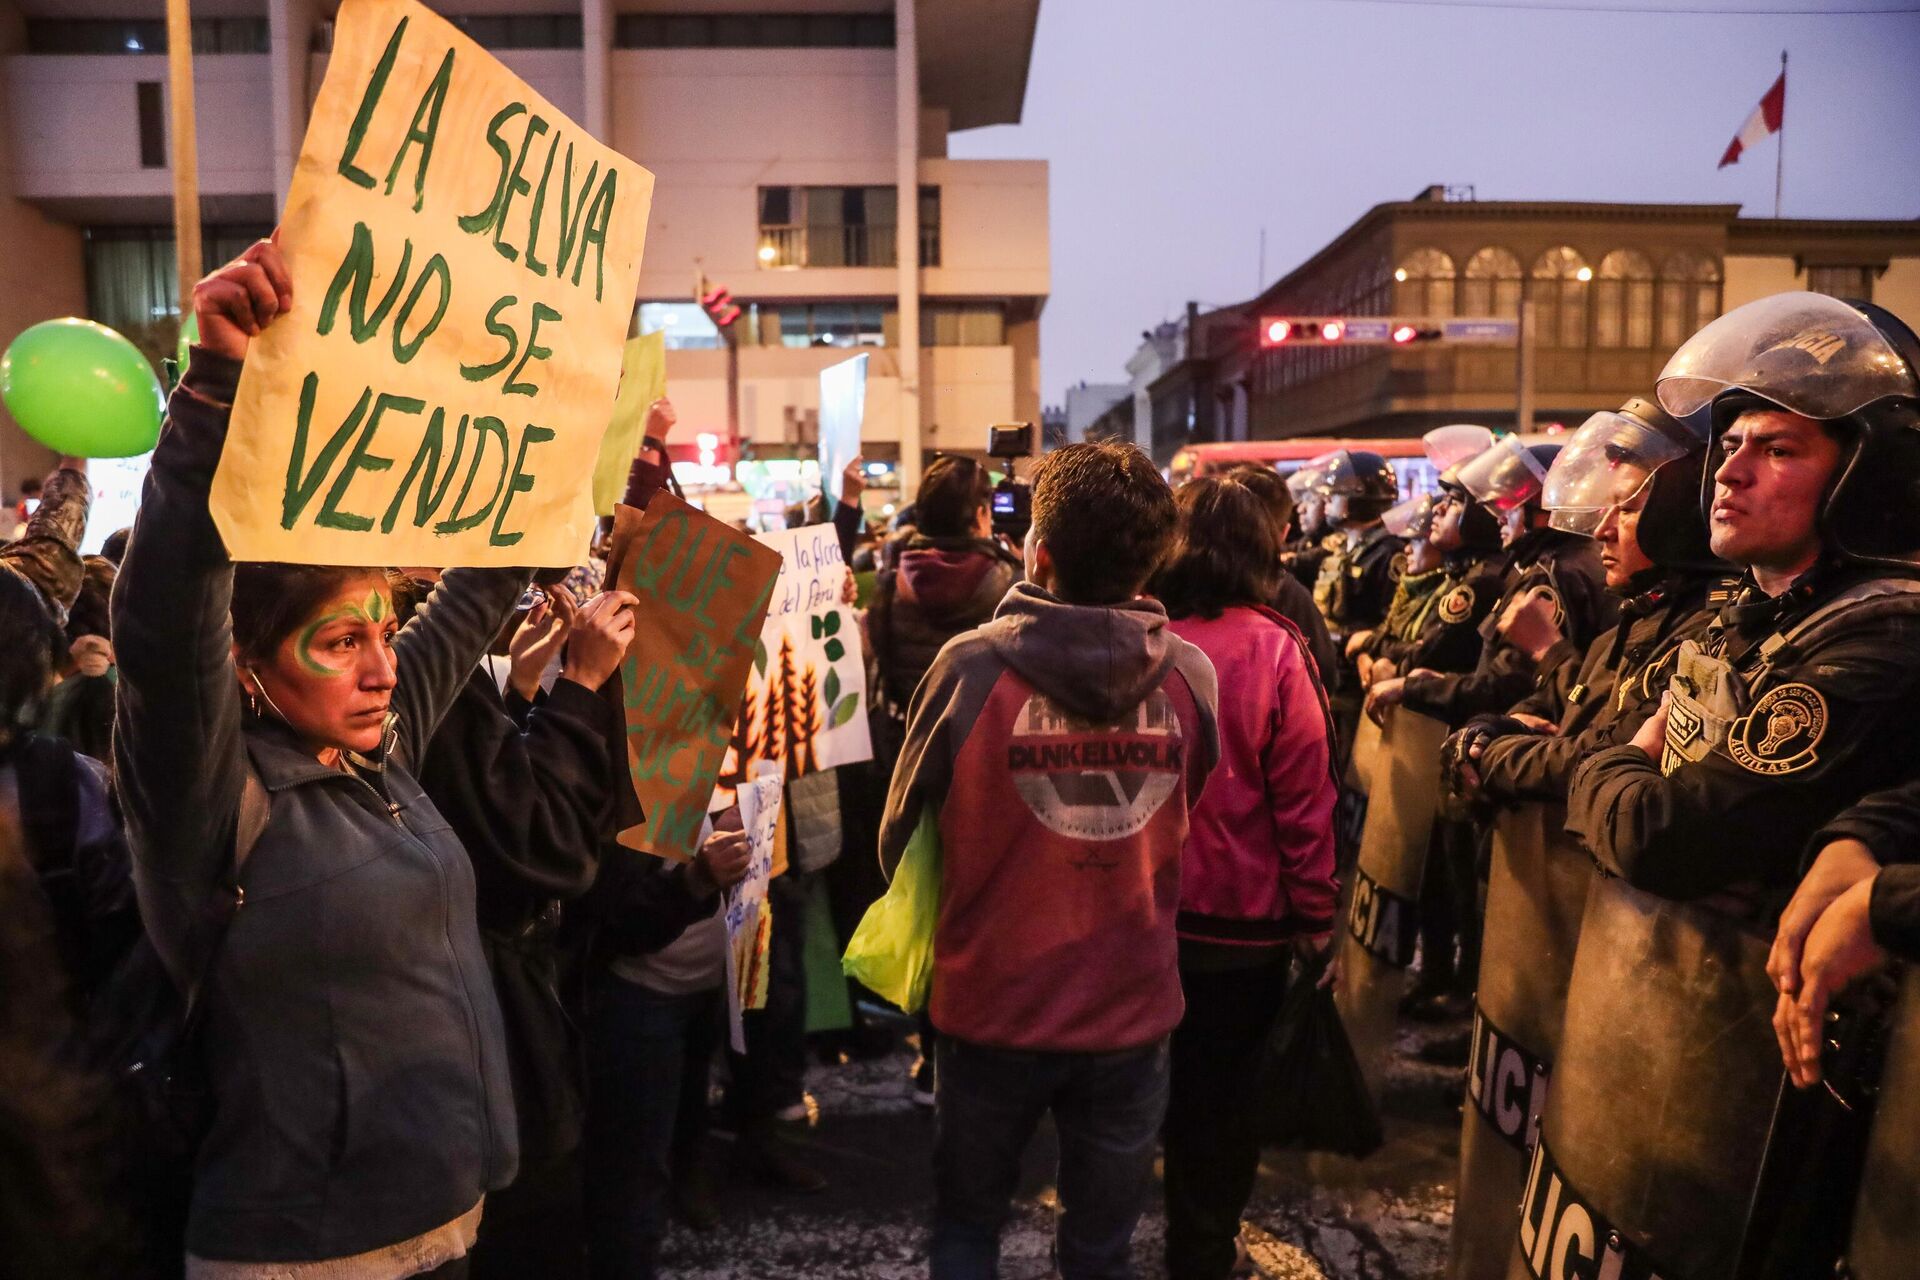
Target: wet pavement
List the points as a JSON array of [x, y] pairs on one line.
[[1311, 1218]]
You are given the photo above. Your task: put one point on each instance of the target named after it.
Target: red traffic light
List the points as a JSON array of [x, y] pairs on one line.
[[1404, 334], [1332, 331], [1277, 332], [719, 305]]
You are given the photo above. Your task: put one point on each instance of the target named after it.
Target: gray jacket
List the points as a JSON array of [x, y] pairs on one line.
[[351, 1035]]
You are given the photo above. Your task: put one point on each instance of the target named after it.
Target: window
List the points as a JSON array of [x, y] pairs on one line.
[[687, 326], [132, 280], [153, 124], [1855, 282], [753, 31], [841, 227], [1560, 279], [143, 35], [1491, 286], [819, 324], [1623, 301], [963, 324], [1423, 284], [1689, 289], [521, 30]]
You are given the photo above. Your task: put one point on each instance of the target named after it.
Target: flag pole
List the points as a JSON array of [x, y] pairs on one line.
[[1780, 143]]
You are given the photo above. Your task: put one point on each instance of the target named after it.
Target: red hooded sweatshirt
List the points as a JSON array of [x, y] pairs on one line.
[[1062, 747]]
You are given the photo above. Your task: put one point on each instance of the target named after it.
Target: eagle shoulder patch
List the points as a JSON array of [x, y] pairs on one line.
[[1457, 604], [1780, 735]]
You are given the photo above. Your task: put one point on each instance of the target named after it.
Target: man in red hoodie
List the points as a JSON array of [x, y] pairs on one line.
[[1059, 747]]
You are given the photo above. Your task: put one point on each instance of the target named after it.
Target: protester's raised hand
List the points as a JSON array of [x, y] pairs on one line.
[[240, 299], [661, 417], [537, 639], [602, 630], [722, 860], [853, 481]]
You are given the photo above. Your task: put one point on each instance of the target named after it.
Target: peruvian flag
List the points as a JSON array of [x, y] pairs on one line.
[[1764, 122]]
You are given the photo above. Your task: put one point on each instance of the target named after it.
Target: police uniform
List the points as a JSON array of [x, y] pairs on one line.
[[1303, 558], [1599, 702], [1441, 630], [1570, 567]]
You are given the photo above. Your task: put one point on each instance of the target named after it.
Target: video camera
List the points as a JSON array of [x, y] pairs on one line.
[[1012, 498]]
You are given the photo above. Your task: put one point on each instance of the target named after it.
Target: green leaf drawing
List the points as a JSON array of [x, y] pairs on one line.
[[759, 657], [835, 651], [833, 685], [833, 622], [843, 712], [819, 626]]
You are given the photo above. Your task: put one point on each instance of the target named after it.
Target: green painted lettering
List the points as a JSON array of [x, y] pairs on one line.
[[476, 372], [479, 221], [356, 270], [541, 311], [426, 124], [516, 186], [520, 482], [485, 428], [357, 131], [436, 268], [571, 210], [302, 482], [331, 516], [599, 217], [427, 458]]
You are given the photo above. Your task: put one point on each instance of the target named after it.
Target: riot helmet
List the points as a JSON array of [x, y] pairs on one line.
[[1609, 463], [1851, 366], [1673, 525], [1360, 486], [1460, 523], [1448, 447], [1508, 475], [1309, 504], [1412, 519]]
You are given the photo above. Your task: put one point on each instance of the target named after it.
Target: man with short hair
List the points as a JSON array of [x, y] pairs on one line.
[[1059, 748]]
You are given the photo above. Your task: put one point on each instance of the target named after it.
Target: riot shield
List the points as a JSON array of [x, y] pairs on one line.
[[1350, 815], [1663, 1097], [1886, 1222], [1382, 897], [1536, 894]]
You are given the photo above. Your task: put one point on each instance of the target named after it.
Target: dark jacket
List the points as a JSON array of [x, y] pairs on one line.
[[1441, 632], [1564, 562], [1603, 701], [940, 588], [529, 791], [1746, 814], [47, 553], [1359, 583], [352, 1038], [1888, 823], [1294, 602]]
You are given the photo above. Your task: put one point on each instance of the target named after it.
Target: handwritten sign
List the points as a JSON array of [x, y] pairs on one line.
[[749, 922], [806, 701], [643, 379], [703, 588], [464, 262]]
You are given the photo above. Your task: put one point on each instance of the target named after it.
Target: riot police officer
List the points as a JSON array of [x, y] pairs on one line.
[[1802, 697], [1553, 573], [1303, 555], [1630, 479], [1356, 584]]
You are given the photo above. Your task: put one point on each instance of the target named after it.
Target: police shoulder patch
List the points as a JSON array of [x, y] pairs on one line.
[[1397, 567], [1781, 733], [1457, 604]]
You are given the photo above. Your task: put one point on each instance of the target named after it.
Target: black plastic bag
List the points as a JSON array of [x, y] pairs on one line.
[[1309, 1094]]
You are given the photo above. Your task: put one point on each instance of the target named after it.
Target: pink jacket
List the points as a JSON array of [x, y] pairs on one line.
[[1257, 867]]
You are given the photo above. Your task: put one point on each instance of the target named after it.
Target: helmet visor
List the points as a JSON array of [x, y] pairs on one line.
[[1806, 352], [1603, 468], [1503, 477], [1302, 481], [1410, 519], [1450, 446]]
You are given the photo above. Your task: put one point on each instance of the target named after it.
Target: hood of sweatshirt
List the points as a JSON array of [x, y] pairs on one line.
[[1098, 661], [947, 578]]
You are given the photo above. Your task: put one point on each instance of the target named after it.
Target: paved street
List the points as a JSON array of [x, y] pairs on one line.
[[1318, 1218]]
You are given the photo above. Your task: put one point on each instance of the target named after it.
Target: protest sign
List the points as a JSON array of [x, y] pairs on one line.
[[643, 379], [843, 408], [749, 922], [703, 588], [806, 701], [464, 263]]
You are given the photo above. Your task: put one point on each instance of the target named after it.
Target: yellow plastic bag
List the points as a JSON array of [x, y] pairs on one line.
[[891, 952]]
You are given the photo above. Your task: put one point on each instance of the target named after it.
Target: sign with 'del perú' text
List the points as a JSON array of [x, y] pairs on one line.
[[464, 263]]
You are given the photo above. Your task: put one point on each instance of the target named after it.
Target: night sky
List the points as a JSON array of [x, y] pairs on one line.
[[1177, 130]]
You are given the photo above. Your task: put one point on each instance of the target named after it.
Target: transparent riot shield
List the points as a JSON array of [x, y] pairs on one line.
[[1536, 894], [1886, 1221], [1384, 890]]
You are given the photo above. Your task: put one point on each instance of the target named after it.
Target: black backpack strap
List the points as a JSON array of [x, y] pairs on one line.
[[256, 807]]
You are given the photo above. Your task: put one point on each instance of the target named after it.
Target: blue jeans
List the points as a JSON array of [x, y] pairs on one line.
[[1107, 1109], [648, 1057]]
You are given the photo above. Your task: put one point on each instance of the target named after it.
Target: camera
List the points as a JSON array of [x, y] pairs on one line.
[[1012, 507]]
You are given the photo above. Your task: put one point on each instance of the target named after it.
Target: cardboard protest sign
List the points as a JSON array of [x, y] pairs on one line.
[[643, 379], [464, 262], [806, 701], [749, 922], [703, 588], [843, 408]]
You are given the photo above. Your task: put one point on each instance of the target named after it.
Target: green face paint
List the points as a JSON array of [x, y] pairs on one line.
[[372, 611]]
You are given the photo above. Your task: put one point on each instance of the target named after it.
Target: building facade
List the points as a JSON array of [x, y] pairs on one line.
[[783, 135], [1614, 289]]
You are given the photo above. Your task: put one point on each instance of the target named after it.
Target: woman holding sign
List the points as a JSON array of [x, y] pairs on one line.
[[304, 893]]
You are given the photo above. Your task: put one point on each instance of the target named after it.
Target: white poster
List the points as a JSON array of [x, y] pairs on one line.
[[749, 923], [843, 409]]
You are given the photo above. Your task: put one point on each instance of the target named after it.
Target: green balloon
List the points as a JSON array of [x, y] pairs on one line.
[[189, 334], [81, 389]]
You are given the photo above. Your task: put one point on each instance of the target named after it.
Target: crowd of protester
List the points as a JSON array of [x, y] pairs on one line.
[[321, 960]]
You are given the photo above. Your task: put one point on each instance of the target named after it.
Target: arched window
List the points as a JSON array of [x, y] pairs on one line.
[[1623, 301], [1423, 284], [1491, 286], [1560, 278], [1689, 296]]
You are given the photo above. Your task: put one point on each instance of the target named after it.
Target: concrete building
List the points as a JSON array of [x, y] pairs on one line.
[[784, 135], [1087, 401], [1614, 287]]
